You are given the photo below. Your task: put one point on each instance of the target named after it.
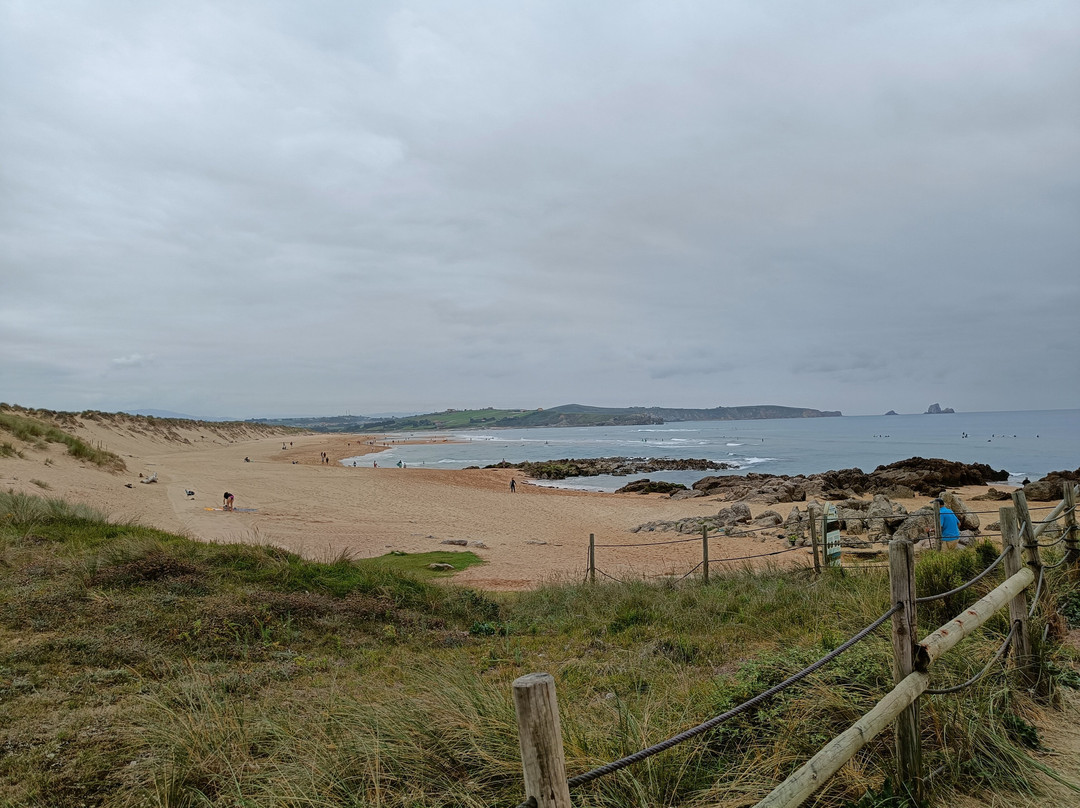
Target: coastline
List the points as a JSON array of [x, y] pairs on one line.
[[325, 510]]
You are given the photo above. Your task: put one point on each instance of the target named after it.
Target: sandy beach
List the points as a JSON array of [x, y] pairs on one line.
[[323, 510]]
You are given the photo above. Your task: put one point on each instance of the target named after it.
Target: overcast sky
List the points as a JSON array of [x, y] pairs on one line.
[[278, 208]]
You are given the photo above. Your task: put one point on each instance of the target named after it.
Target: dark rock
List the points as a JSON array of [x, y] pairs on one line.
[[768, 519], [935, 409], [929, 476], [616, 466], [647, 486], [735, 515], [993, 495], [1049, 487], [456, 542], [903, 479], [892, 412]]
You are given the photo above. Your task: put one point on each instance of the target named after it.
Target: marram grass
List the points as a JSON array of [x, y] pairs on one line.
[[138, 668]]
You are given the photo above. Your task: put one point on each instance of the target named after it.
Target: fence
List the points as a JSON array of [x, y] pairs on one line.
[[824, 543], [591, 570], [543, 762]]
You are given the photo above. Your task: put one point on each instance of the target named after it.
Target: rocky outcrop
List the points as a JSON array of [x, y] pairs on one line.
[[647, 486], [1049, 487], [615, 466], [928, 476], [863, 523], [725, 519], [936, 409], [915, 476]]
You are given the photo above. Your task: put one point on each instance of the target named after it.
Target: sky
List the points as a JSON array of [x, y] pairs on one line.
[[262, 209]]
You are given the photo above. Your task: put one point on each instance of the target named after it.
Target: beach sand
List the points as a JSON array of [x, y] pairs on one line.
[[323, 511]]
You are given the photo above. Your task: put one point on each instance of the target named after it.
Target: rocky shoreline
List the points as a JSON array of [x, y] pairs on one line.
[[863, 522], [905, 479], [615, 466]]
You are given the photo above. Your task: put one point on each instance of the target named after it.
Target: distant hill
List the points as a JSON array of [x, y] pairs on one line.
[[564, 415]]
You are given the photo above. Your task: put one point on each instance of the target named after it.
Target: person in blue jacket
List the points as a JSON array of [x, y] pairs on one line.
[[950, 526]]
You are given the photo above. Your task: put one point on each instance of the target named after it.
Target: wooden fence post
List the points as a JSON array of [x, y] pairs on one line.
[[1027, 531], [705, 550], [937, 524], [814, 538], [1072, 536], [1018, 618], [592, 558], [908, 740], [540, 737]]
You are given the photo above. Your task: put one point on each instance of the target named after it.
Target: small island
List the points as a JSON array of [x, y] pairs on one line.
[[936, 409]]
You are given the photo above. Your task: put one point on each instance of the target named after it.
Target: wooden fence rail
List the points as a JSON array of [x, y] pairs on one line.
[[538, 719]]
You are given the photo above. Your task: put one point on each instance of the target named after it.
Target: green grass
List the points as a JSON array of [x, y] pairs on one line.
[[139, 668], [37, 433]]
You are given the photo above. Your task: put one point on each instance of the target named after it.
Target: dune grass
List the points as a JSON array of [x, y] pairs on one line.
[[139, 668], [39, 433]]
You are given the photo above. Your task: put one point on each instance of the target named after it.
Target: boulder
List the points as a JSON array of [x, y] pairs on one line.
[[967, 519], [687, 493], [768, 519], [737, 514], [647, 486], [456, 542], [1049, 488], [919, 525], [880, 518], [993, 495]]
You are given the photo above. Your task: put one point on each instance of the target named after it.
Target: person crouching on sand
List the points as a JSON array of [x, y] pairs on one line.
[[227, 501]]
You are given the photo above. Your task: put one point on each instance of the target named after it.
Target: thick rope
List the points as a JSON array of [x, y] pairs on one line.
[[747, 558], [651, 543], [1038, 589], [962, 587], [997, 655], [637, 757]]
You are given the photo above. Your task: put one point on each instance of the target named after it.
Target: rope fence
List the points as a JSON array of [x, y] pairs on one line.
[[973, 581], [648, 752], [997, 655], [534, 695]]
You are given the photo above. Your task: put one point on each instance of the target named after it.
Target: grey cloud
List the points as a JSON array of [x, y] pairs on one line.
[[399, 205]]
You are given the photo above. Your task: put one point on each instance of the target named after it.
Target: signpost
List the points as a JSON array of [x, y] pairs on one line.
[[830, 529]]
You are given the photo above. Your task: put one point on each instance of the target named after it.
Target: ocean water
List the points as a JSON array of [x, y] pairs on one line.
[[1027, 443]]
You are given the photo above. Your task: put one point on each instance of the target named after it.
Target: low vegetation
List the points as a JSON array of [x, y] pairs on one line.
[[139, 668], [38, 433]]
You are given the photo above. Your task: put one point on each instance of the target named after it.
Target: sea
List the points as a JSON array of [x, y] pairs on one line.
[[1026, 444]]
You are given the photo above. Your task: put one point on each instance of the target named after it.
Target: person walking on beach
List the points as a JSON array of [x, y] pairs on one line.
[[227, 502], [950, 526], [513, 485]]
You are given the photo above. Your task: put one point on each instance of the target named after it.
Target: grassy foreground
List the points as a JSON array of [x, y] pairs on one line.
[[139, 668]]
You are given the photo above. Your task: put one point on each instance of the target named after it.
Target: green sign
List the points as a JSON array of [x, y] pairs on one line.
[[830, 529]]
